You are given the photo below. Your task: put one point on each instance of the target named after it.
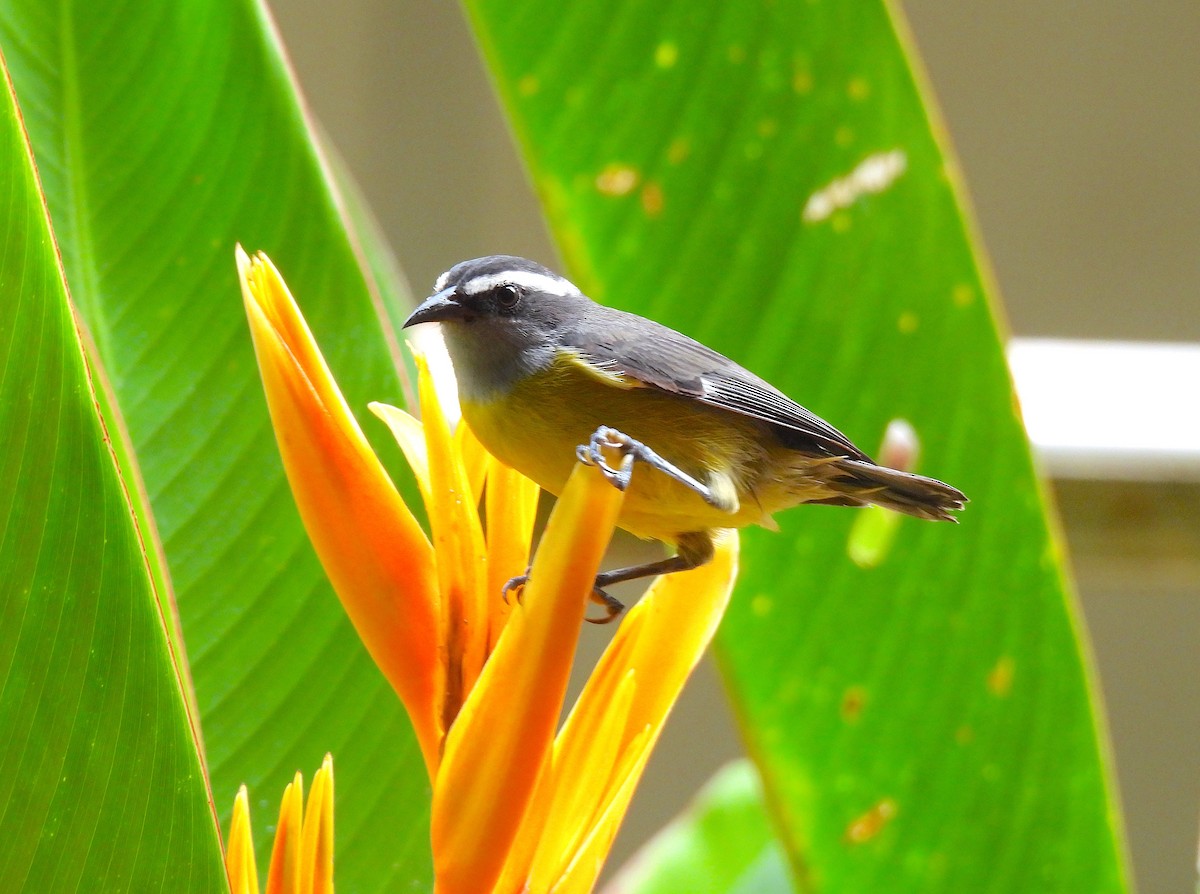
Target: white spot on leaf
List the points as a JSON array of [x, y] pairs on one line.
[[873, 175]]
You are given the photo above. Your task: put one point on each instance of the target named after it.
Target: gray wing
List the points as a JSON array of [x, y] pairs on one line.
[[658, 357]]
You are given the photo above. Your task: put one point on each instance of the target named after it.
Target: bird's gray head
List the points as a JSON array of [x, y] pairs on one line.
[[502, 318]]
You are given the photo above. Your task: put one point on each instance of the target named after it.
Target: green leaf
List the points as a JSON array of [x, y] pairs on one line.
[[100, 776], [767, 179], [722, 843], [386, 279], [166, 133]]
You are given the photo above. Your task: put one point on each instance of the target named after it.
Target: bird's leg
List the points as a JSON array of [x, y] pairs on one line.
[[695, 549], [592, 454]]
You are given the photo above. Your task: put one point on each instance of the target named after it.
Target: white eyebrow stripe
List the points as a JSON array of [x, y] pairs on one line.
[[555, 285]]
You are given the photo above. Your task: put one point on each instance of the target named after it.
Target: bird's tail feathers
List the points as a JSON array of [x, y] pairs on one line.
[[857, 483]]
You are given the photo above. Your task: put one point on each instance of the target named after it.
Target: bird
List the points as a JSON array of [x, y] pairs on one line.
[[547, 376]]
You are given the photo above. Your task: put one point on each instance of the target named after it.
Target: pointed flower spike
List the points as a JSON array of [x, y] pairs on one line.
[[317, 837], [661, 642], [374, 552], [459, 550], [302, 855], [496, 748], [283, 876], [239, 854]]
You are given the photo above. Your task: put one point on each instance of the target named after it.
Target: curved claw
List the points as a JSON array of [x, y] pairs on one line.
[[612, 606], [516, 584]]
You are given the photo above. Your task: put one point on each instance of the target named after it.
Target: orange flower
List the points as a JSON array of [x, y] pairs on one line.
[[516, 808], [377, 557], [302, 858]]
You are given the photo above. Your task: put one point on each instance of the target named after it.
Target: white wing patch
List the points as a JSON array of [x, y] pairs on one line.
[[541, 282]]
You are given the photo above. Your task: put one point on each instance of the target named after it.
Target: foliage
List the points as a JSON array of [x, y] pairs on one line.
[[921, 719], [766, 179]]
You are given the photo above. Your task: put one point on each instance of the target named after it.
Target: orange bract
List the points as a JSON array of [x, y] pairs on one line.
[[376, 555]]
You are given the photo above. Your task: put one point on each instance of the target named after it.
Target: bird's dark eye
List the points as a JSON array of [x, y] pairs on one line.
[[507, 296]]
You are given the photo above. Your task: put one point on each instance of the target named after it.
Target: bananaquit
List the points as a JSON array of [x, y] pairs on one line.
[[542, 369]]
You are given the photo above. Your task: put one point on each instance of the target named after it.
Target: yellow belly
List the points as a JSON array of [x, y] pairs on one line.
[[536, 427]]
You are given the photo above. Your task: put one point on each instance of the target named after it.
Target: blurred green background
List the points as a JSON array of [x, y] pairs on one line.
[[1077, 133]]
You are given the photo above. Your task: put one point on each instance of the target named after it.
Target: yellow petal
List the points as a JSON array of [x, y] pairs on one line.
[[473, 457], [377, 558], [668, 632], [511, 508], [586, 777], [284, 875], [579, 777], [496, 749], [317, 858], [586, 863], [410, 435], [660, 642], [460, 555], [239, 854]]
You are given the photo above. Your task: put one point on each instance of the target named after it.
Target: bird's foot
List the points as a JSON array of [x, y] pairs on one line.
[[608, 438], [612, 606], [515, 585], [605, 438]]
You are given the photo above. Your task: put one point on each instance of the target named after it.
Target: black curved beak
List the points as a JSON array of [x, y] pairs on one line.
[[435, 309]]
